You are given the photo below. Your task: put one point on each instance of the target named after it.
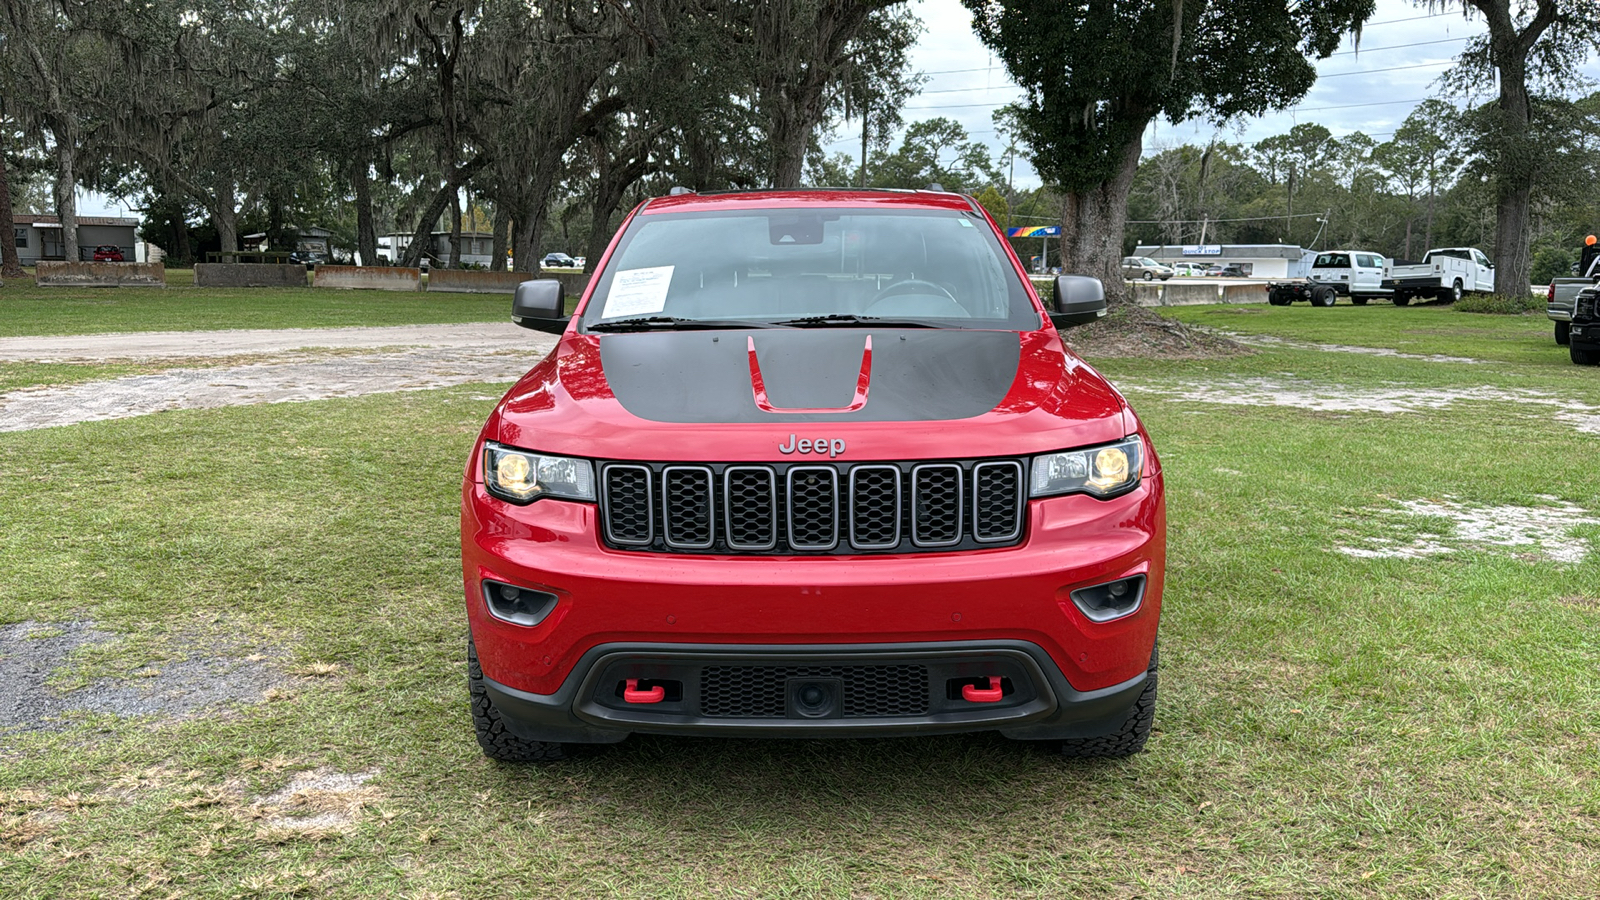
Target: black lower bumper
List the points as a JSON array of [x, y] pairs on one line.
[[860, 690], [1420, 284]]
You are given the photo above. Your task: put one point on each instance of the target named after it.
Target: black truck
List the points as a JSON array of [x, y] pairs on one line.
[[1583, 334]]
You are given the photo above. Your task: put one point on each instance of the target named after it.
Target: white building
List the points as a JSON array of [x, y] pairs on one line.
[[1257, 260], [39, 237]]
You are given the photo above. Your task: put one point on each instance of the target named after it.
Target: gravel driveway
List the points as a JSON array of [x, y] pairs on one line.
[[400, 358]]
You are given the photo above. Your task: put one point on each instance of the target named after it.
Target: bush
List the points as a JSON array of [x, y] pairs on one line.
[[1552, 262], [1500, 304]]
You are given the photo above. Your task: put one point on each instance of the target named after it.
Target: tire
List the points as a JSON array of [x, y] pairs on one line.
[[1584, 357], [1135, 730], [1402, 299], [496, 741], [1278, 297], [1563, 334], [1359, 301], [1453, 294], [1323, 296], [1148, 276]]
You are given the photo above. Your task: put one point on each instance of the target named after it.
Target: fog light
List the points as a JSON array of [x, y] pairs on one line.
[[1111, 600], [517, 605], [815, 698]]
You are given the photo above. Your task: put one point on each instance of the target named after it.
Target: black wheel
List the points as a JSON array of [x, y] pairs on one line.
[[1563, 333], [1453, 294], [496, 741], [1131, 737], [1278, 297], [1359, 301], [1584, 357], [1323, 296], [1401, 299]]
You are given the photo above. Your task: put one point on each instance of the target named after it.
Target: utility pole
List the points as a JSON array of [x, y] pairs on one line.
[[865, 122]]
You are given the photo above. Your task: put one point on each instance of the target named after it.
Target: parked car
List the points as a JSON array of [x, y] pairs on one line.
[[1227, 270], [1449, 274], [108, 253], [811, 464], [1143, 268], [308, 258], [580, 262], [1355, 274], [557, 261], [1188, 269], [1563, 292]]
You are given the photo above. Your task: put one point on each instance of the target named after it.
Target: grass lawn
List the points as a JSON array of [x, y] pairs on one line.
[[1330, 725], [26, 309]]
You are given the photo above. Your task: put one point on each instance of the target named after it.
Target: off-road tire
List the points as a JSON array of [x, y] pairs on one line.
[[1453, 293], [1563, 334], [1584, 357], [1402, 299], [1135, 730], [496, 741], [1359, 301]]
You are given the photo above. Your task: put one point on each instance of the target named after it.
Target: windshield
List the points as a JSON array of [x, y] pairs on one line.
[[812, 266]]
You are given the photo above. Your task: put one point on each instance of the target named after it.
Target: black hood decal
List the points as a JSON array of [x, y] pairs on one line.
[[907, 376]]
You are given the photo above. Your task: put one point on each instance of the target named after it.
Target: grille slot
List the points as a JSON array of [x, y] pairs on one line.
[[936, 505], [627, 503], [757, 692], [996, 501], [874, 507], [809, 508], [813, 507], [687, 511], [750, 503]]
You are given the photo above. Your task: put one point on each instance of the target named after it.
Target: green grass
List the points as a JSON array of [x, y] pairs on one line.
[[1429, 329], [1328, 726], [26, 309]]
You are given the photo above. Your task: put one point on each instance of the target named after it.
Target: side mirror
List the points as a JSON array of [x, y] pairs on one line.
[[1079, 300], [540, 305]]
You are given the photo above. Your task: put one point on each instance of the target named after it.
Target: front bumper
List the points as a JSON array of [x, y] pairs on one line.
[[740, 690], [1007, 601]]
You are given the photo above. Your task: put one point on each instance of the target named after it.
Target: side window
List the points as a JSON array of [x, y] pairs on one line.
[[1481, 259], [22, 237]]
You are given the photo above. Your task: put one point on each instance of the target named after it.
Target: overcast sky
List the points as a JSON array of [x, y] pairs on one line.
[[1372, 91]]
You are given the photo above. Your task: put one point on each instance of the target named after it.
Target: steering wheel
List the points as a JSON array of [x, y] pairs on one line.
[[909, 286]]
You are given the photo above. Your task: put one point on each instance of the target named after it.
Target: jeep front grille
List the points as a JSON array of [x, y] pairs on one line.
[[812, 508]]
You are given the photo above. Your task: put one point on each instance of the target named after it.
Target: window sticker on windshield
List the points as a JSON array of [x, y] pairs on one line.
[[965, 223], [637, 292]]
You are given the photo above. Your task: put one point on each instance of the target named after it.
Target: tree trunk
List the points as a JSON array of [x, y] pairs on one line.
[[423, 236], [529, 229], [1513, 186], [10, 264], [502, 227], [67, 198], [1092, 222], [366, 232], [455, 230]]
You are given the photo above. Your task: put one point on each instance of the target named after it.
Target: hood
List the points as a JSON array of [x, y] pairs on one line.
[[737, 395]]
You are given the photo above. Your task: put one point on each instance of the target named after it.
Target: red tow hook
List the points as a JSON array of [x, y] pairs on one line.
[[981, 695], [632, 694]]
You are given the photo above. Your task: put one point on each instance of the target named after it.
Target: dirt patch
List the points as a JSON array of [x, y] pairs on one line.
[[319, 801], [32, 652], [286, 381], [1338, 398], [1271, 341], [1134, 331], [1537, 532], [188, 344]]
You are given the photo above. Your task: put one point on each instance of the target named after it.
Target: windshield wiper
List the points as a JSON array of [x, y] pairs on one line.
[[673, 323], [849, 319]]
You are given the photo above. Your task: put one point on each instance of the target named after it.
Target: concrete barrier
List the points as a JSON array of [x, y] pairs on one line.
[[99, 274], [467, 281], [242, 275], [1244, 293], [376, 278]]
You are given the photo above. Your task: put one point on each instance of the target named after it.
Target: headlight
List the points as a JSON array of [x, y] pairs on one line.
[[1102, 471], [523, 477]]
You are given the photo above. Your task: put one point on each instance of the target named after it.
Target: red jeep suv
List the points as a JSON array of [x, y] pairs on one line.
[[811, 464]]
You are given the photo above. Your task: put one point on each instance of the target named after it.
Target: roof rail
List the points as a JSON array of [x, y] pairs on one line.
[[936, 186]]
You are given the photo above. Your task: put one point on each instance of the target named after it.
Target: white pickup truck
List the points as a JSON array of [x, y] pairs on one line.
[[1448, 274]]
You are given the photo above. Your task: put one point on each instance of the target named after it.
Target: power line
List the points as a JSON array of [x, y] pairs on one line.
[[1399, 46], [1431, 65]]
